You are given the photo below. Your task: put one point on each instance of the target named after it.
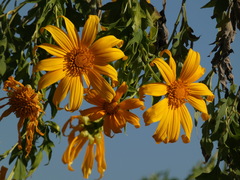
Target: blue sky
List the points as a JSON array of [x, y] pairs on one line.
[[135, 154]]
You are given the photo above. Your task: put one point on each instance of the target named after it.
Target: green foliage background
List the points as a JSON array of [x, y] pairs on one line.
[[145, 34]]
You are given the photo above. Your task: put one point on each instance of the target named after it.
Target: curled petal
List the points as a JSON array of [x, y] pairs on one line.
[[100, 157], [105, 43], [108, 55], [172, 63], [87, 164]]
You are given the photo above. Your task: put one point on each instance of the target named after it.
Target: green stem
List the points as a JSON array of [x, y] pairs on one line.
[[176, 23]]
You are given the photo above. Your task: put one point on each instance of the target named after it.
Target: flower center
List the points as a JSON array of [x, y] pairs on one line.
[[24, 102], [177, 93], [78, 61], [111, 108]]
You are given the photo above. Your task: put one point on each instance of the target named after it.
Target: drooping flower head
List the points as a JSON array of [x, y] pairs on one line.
[[81, 133], [77, 60], [114, 113], [172, 111], [25, 103]]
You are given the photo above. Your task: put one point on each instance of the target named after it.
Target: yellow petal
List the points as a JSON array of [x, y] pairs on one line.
[[77, 147], [53, 49], [165, 70], [50, 64], [160, 134], [153, 89], [87, 164], [174, 125], [107, 125], [76, 94], [86, 79], [197, 75], [108, 55], [72, 32], [190, 65], [93, 113], [100, 157], [105, 43], [172, 63], [156, 112], [93, 97], [198, 103], [107, 70], [130, 118], [200, 89], [118, 122], [120, 91], [60, 37], [50, 78], [90, 30], [61, 91], [186, 122], [131, 104], [100, 85]]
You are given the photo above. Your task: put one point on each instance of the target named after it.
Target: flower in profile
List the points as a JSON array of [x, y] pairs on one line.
[[25, 103], [85, 130], [114, 113], [77, 60], [172, 111]]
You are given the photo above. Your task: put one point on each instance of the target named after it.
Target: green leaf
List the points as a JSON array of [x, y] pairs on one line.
[[20, 170], [214, 174], [206, 146], [3, 66], [36, 163], [54, 127], [211, 3]]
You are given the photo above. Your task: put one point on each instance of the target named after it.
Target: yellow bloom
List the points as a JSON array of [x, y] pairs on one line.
[[172, 111], [114, 113], [77, 60], [24, 102], [76, 143]]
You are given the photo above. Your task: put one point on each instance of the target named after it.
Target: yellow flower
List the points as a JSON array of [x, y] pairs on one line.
[[77, 60], [24, 102], [114, 113], [172, 111], [76, 143]]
